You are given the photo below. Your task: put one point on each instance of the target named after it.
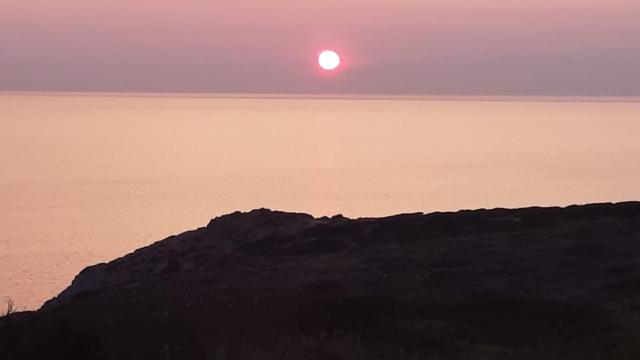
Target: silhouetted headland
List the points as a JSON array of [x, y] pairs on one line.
[[533, 283]]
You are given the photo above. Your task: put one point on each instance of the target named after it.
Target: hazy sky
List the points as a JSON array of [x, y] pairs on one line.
[[526, 47]]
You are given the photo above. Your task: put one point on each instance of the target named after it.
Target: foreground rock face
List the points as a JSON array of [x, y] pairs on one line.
[[528, 283]]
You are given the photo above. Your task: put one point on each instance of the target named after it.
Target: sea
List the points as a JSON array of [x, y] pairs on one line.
[[86, 178]]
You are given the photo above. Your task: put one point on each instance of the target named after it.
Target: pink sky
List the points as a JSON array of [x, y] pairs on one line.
[[491, 47]]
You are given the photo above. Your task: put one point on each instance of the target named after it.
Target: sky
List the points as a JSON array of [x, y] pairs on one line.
[[413, 47]]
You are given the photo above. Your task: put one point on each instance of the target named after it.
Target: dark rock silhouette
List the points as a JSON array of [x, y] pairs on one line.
[[553, 283]]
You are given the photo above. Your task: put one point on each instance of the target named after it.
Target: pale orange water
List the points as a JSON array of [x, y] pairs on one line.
[[85, 179]]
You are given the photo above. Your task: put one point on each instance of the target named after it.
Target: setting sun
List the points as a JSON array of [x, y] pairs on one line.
[[329, 60]]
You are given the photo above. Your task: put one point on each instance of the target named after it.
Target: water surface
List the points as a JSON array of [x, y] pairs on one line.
[[85, 179]]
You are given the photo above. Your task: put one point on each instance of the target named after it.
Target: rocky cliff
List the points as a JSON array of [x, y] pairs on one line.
[[495, 284]]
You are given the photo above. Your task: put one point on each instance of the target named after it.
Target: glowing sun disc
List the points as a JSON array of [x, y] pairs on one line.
[[329, 60]]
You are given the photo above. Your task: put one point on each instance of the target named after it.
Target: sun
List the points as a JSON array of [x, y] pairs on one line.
[[329, 60]]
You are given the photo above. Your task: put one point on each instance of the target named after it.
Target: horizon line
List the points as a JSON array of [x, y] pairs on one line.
[[344, 96]]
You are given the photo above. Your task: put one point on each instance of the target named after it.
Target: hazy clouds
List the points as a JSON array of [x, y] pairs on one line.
[[569, 47]]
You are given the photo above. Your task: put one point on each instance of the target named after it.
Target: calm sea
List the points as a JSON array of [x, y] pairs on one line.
[[85, 179]]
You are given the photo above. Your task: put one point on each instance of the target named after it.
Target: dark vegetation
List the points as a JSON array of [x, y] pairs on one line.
[[536, 283], [10, 308]]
